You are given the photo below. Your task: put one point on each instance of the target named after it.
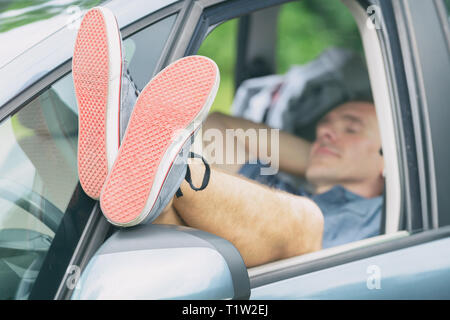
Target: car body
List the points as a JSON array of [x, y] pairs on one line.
[[410, 76]]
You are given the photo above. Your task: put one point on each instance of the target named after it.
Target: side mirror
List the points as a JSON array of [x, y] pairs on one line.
[[164, 262]]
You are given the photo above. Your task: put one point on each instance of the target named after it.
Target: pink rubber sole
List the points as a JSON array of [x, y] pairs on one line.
[[169, 103], [90, 67]]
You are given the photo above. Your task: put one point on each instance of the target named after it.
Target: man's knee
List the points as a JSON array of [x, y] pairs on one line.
[[305, 233], [316, 225], [169, 216], [215, 119]]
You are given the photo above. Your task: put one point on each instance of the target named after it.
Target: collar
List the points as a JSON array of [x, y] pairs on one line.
[[338, 194]]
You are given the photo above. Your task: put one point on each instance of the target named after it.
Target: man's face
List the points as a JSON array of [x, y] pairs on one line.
[[346, 149]]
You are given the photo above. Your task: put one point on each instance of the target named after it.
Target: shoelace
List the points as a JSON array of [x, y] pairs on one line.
[[188, 177], [137, 92]]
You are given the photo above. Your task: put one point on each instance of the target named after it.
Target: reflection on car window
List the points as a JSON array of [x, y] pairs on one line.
[[14, 14], [38, 166], [143, 50], [38, 175]]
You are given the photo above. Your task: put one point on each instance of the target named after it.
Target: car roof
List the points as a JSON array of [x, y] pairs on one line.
[[23, 27], [51, 43]]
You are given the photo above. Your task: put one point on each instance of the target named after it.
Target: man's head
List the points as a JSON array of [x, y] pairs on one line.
[[346, 150]]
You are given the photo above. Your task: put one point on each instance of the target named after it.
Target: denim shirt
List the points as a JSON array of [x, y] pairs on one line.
[[347, 216]]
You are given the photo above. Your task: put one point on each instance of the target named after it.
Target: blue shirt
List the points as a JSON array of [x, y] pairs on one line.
[[347, 216]]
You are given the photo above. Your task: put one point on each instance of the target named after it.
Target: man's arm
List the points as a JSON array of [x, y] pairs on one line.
[[293, 151], [264, 224]]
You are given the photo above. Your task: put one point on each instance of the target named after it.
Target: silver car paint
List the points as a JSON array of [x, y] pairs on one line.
[[418, 272], [56, 49], [169, 273]]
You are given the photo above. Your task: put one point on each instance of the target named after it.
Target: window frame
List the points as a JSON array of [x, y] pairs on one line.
[[425, 59]]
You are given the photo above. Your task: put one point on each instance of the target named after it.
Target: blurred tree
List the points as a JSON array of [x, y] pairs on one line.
[[305, 29]]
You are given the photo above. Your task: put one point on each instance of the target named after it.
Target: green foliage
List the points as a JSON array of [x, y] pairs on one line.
[[220, 45], [29, 11], [305, 29]]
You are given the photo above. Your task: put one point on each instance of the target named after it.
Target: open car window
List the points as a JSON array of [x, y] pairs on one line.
[[319, 40]]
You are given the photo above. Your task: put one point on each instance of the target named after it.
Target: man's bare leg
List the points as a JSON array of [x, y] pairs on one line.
[[264, 224], [169, 216]]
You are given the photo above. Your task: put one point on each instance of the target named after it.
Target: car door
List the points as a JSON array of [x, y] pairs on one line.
[[415, 266], [387, 266], [410, 71], [48, 226], [147, 43]]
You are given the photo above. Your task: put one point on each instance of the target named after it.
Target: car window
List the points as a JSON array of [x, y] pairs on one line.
[[143, 50], [38, 167]]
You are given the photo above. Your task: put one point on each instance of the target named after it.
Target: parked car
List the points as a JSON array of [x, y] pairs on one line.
[[56, 244]]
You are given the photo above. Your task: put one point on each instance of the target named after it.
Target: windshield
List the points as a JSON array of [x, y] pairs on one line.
[[39, 189]]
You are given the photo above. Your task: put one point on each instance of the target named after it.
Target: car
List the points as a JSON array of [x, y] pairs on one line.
[[56, 244]]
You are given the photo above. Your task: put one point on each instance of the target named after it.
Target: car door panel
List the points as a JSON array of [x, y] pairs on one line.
[[417, 272]]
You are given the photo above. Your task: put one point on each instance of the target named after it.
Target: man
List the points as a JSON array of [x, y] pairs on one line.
[[343, 164]]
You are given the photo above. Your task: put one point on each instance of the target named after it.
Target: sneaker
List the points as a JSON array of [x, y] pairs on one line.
[[105, 94], [178, 172], [151, 163]]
